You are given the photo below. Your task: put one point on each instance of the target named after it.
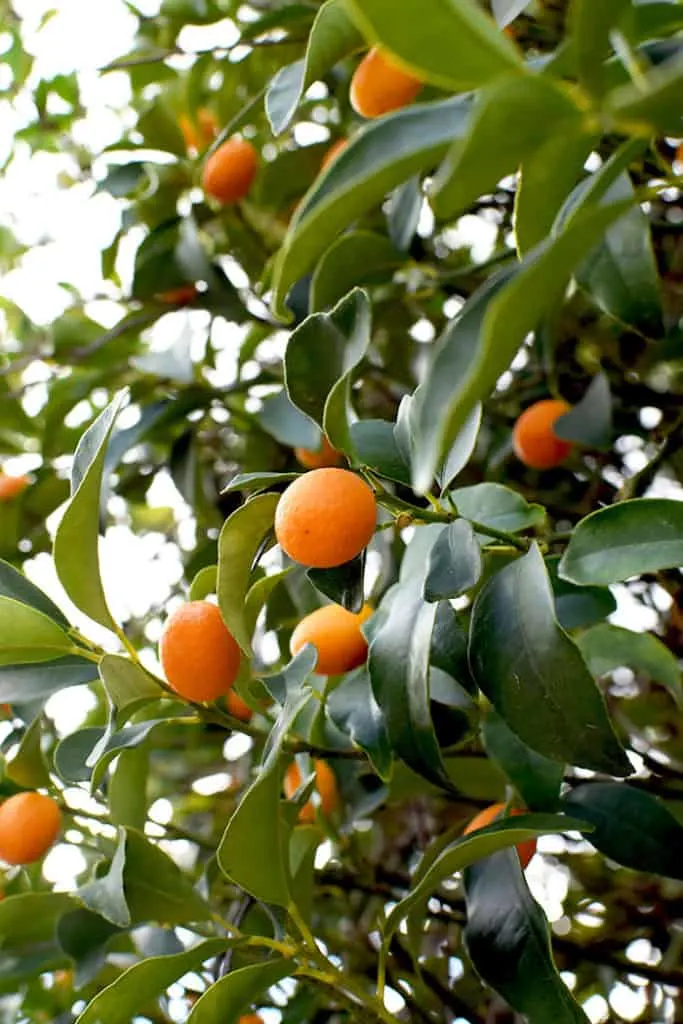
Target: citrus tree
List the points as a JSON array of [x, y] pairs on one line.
[[417, 265]]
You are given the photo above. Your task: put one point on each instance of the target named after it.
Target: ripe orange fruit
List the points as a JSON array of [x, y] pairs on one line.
[[250, 1018], [325, 518], [29, 825], [180, 296], [379, 85], [208, 125], [198, 654], [189, 132], [336, 635], [533, 439], [12, 486], [325, 784], [333, 152], [230, 170], [237, 707], [325, 456], [525, 851]]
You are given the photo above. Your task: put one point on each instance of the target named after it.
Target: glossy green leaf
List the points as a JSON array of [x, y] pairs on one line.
[[578, 607], [343, 584], [451, 43], [120, 1001], [468, 849], [356, 258], [536, 778], [333, 36], [258, 595], [403, 214], [156, 888], [286, 424], [461, 450], [589, 422], [377, 159], [498, 507], [84, 936], [127, 684], [76, 541], [374, 446], [353, 709], [508, 940], [26, 635], [105, 895], [630, 826], [127, 790], [27, 767], [257, 481], [623, 540], [17, 586], [448, 651], [511, 118], [606, 647], [479, 347], [534, 675], [654, 102], [231, 996], [322, 355], [455, 563], [241, 539], [590, 25]]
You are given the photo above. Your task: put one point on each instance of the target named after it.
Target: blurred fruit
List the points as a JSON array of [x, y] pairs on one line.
[[325, 457], [12, 486], [333, 152], [180, 296], [525, 851], [237, 707], [534, 442], [325, 784], [230, 170], [379, 85]]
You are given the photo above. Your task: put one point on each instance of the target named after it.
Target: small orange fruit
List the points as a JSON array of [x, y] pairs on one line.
[[379, 85], [180, 296], [230, 170], [325, 456], [6, 710], [12, 486], [325, 518], [336, 635], [237, 707], [29, 825], [198, 653], [533, 439], [333, 152], [250, 1018], [525, 850], [208, 125], [189, 132], [325, 784]]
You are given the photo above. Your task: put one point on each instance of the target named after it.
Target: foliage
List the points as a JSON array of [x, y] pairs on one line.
[[353, 300]]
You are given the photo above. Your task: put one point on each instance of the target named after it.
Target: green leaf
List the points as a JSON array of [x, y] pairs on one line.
[[119, 1002], [30, 917], [536, 778], [257, 481], [451, 43], [27, 768], [479, 347], [631, 827], [76, 541], [448, 651], [589, 422], [127, 684], [343, 584], [654, 102], [240, 541], [590, 25], [357, 258], [73, 751], [468, 849], [204, 582], [534, 674], [283, 421], [354, 710], [398, 664], [15, 585], [127, 790], [461, 450], [510, 120], [303, 845], [84, 936], [505, 11], [159, 128], [229, 997], [322, 355], [498, 507], [606, 647], [112, 744], [26, 635], [579, 607], [455, 563], [403, 214], [105, 895], [374, 446], [156, 889], [333, 37], [508, 940], [623, 540], [258, 594], [377, 159]]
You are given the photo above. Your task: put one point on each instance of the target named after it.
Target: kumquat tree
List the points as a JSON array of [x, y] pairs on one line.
[[341, 512]]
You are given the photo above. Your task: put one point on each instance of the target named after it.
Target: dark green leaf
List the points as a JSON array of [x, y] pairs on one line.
[[461, 450], [84, 936], [535, 676], [403, 214], [283, 421], [374, 445], [536, 778], [454, 562], [623, 540], [589, 422], [343, 584], [72, 754], [257, 481], [227, 999], [577, 607], [105, 896], [30, 917], [356, 258], [156, 889], [497, 506], [606, 647], [448, 651], [353, 709], [15, 585]]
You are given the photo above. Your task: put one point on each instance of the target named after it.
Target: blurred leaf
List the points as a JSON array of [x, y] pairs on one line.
[[356, 258], [510, 120], [240, 541], [455, 563], [505, 11], [536, 778], [105, 895], [535, 676], [606, 647], [461, 450], [654, 102], [229, 997], [342, 584], [26, 635], [122, 179], [282, 420], [591, 25], [76, 541], [403, 214], [333, 36], [374, 445], [27, 767], [159, 128], [30, 917], [204, 583], [353, 709], [17, 586], [84, 936], [120, 1001], [452, 44], [623, 540], [589, 422], [497, 506], [156, 889], [508, 940], [377, 159], [630, 827]]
